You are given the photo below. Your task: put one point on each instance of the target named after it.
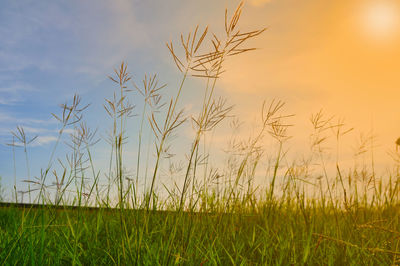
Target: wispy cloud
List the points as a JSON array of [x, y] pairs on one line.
[[83, 31], [44, 140], [39, 141], [6, 117], [13, 93], [43, 129], [9, 100], [16, 87], [117, 36]]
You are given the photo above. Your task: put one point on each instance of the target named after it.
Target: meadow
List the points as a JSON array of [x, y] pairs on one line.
[[303, 214]]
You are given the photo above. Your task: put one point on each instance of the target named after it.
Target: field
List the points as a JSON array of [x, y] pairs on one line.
[[277, 233], [300, 213]]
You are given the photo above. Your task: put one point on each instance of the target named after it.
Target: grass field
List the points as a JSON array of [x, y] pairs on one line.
[[211, 215], [277, 233]]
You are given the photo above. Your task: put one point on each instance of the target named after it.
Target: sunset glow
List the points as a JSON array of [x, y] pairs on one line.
[[380, 19]]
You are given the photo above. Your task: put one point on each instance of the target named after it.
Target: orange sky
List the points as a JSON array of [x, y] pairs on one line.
[[342, 56]]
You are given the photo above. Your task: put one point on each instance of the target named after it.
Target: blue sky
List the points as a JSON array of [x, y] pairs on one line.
[[50, 50]]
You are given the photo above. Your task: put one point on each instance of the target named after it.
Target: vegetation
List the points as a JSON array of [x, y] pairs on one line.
[[1, 191], [210, 215]]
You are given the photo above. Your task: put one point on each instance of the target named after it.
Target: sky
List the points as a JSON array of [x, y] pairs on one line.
[[339, 56]]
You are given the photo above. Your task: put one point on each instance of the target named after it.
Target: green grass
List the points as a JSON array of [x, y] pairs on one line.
[[307, 213], [280, 236]]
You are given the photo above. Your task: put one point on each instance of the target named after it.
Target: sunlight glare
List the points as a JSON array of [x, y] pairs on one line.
[[381, 19]]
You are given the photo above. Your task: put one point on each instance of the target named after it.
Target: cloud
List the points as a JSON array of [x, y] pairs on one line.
[[13, 93], [34, 130], [10, 100], [32, 127], [88, 37], [39, 141], [44, 140], [5, 117], [16, 87], [114, 38]]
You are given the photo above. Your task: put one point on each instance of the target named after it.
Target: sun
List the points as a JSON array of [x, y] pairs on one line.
[[381, 19]]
